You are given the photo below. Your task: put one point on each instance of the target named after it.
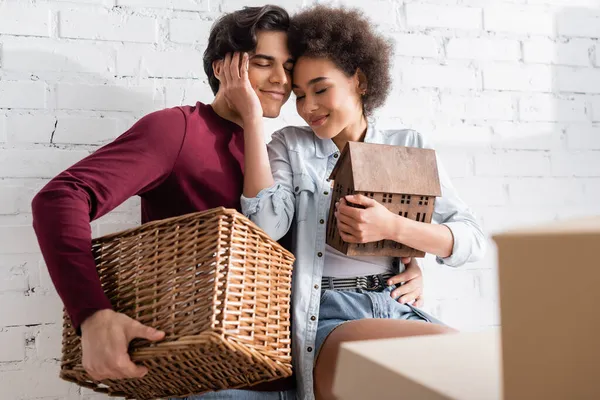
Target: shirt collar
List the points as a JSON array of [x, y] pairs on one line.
[[325, 147]]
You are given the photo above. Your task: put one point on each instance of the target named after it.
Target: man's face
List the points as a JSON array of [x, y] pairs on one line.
[[270, 71]]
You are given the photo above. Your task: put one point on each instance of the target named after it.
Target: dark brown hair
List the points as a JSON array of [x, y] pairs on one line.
[[347, 38], [236, 31]]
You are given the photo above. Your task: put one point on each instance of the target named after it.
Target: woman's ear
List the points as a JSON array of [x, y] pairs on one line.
[[361, 82], [217, 65]]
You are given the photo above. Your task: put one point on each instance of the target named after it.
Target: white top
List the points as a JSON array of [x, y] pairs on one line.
[[339, 265]]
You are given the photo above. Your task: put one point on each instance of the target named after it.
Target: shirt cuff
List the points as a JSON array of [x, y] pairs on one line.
[[252, 205], [460, 250]]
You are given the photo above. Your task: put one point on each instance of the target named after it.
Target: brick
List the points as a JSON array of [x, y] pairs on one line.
[[519, 19], [189, 31], [499, 219], [527, 136], [577, 80], [48, 342], [232, 5], [583, 137], [462, 135], [470, 314], [416, 103], [382, 13], [450, 283], [189, 93], [35, 381], [26, 127], [3, 131], [18, 239], [15, 198], [440, 16], [86, 130], [15, 271], [547, 107], [187, 5], [414, 45], [584, 163], [484, 49], [529, 78], [29, 310], [482, 191], [512, 164], [579, 23], [12, 346], [478, 106], [145, 61], [24, 20], [108, 3], [22, 94], [544, 192], [49, 55], [595, 104], [457, 165], [591, 191], [486, 280], [142, 98], [439, 76], [107, 26], [87, 394], [37, 163], [574, 52]]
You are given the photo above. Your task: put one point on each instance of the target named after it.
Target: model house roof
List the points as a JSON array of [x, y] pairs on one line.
[[382, 168]]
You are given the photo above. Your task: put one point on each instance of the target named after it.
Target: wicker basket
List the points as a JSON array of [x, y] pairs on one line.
[[216, 284]]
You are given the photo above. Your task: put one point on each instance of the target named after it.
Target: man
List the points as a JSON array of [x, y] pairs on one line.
[[178, 160]]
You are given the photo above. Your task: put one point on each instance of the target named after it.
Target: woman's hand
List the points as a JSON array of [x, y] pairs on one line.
[[412, 284], [237, 89], [371, 224]]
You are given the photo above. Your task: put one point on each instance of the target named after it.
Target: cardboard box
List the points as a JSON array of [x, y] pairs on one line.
[[457, 366], [550, 311]]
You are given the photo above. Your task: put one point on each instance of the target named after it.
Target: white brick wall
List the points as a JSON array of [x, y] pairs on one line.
[[508, 91]]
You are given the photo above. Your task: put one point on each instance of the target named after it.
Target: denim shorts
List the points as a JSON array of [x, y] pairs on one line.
[[235, 394], [339, 306]]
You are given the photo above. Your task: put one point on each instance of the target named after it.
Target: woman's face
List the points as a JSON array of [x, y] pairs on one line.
[[326, 98]]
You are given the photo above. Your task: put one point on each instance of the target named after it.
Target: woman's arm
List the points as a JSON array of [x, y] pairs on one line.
[[455, 237], [272, 208]]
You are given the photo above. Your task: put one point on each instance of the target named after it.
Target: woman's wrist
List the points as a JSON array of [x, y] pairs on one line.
[[401, 228]]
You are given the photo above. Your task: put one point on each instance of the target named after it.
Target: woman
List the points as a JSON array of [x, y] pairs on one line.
[[340, 76]]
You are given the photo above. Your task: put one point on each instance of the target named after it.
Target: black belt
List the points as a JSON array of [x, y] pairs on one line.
[[370, 282]]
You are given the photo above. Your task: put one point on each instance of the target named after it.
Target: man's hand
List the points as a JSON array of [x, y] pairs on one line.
[[105, 340], [238, 90], [371, 224], [412, 283]]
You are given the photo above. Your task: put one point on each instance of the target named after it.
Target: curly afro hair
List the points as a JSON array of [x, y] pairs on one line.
[[345, 37]]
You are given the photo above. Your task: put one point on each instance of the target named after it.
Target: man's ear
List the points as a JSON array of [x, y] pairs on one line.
[[361, 82], [217, 66]]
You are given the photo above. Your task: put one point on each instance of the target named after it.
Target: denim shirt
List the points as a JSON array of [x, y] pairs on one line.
[[301, 164]]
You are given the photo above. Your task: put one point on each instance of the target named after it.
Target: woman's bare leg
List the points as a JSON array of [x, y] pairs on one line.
[[364, 329]]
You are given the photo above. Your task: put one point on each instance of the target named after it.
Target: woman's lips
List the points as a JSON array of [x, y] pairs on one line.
[[319, 121]]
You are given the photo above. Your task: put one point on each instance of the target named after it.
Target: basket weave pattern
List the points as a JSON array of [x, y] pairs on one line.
[[216, 284]]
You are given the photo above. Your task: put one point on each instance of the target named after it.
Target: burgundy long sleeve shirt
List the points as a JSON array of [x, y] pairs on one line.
[[178, 160]]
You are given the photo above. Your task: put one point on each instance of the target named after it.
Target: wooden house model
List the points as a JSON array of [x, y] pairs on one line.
[[404, 179]]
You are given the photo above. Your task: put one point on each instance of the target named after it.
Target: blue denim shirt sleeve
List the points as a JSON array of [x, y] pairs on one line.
[[450, 210], [273, 208]]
